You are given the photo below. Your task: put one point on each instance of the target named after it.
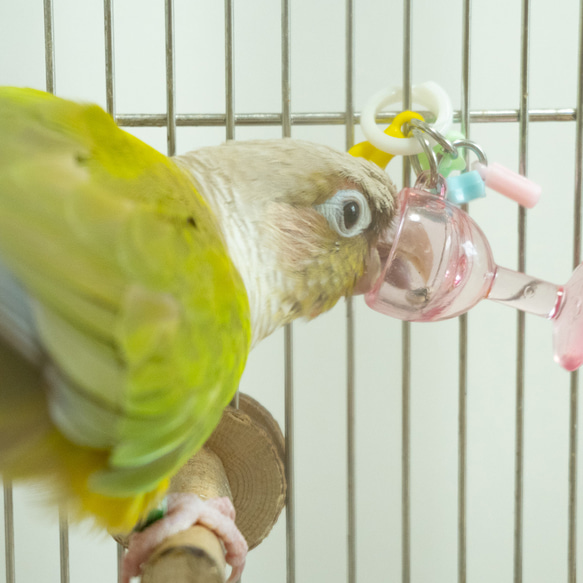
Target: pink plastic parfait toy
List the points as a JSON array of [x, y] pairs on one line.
[[440, 263]]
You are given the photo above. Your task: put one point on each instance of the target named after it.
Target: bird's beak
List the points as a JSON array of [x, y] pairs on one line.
[[412, 259], [414, 255], [372, 271]]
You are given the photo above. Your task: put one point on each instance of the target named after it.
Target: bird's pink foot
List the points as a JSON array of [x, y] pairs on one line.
[[184, 511]]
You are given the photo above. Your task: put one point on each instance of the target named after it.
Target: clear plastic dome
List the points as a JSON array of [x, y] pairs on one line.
[[440, 264]]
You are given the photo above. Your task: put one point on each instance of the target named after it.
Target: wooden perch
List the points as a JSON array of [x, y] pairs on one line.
[[243, 459], [195, 554]]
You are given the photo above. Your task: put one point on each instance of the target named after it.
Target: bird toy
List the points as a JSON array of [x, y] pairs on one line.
[[438, 263]]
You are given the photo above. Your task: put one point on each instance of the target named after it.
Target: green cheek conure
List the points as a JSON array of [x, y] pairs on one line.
[[133, 285]]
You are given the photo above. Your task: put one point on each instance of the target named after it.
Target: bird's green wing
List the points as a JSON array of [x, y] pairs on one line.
[[134, 299]]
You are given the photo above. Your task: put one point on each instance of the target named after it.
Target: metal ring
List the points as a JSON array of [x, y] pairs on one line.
[[416, 165], [423, 183], [474, 147], [437, 136], [431, 157]]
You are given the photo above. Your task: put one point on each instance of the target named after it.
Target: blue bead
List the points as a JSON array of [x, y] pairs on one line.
[[465, 187]]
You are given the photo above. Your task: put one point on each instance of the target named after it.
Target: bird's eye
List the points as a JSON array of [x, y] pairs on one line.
[[347, 212], [351, 214]]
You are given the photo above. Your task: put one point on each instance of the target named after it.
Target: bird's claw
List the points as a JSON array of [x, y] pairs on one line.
[[186, 510]]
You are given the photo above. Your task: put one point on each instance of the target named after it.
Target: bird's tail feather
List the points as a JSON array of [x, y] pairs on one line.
[[31, 448], [24, 418]]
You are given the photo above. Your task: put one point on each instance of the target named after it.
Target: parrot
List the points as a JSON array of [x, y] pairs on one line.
[[134, 285]]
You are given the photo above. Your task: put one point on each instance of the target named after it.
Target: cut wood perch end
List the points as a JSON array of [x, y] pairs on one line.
[[244, 460]]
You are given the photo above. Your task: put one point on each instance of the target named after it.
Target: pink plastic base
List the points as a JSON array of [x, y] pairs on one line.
[[568, 328]]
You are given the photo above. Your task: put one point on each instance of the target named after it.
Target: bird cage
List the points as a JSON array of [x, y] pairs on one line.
[[415, 452]]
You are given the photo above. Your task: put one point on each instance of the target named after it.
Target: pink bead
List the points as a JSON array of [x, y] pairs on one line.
[[511, 184]]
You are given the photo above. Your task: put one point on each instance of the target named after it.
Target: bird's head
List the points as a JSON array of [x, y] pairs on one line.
[[301, 222]]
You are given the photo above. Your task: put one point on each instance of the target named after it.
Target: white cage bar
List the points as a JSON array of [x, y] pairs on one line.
[[574, 395]]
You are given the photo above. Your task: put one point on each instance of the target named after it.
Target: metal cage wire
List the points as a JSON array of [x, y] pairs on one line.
[[286, 119]]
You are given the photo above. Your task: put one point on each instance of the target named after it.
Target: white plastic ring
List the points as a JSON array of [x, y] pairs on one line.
[[429, 95]]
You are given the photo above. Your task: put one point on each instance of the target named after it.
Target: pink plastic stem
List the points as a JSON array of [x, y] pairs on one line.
[[526, 293], [511, 184]]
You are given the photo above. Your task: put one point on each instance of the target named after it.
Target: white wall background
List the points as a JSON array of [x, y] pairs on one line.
[[319, 348]]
